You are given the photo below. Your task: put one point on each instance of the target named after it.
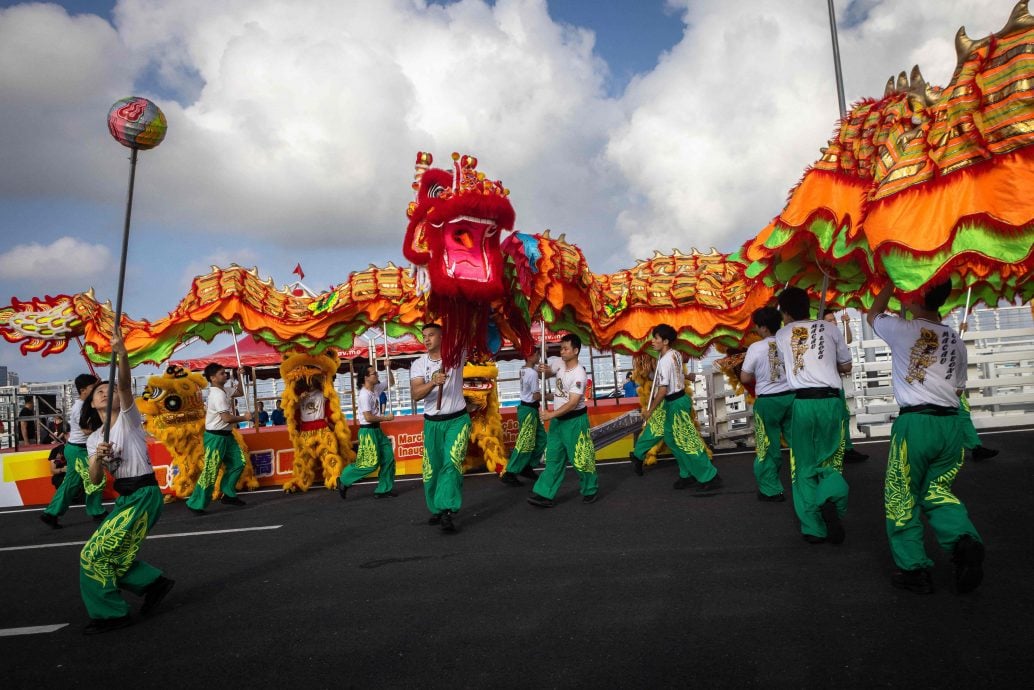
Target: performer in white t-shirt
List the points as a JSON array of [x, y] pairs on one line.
[[531, 434], [568, 438], [77, 476], [773, 403], [669, 416], [220, 445], [446, 429], [108, 563], [814, 355], [375, 451], [928, 370]]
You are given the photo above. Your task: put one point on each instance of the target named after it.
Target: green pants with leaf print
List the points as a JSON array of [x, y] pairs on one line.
[[77, 477], [773, 415], [375, 452], [108, 561], [970, 440], [531, 439], [925, 457], [568, 440], [672, 422], [817, 460], [445, 449], [219, 448]]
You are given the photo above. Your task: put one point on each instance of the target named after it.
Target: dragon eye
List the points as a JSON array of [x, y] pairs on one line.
[[152, 393], [173, 403], [435, 191]]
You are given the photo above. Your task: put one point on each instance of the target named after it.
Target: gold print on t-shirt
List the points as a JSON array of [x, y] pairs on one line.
[[922, 355], [775, 364], [798, 346]]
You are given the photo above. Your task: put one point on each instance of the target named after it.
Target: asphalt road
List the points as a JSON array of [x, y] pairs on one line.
[[648, 587]]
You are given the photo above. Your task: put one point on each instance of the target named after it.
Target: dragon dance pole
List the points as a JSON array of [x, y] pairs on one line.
[[843, 111], [387, 362], [240, 374], [542, 360], [136, 123]]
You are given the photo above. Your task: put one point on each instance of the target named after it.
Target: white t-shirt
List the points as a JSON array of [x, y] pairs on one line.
[[218, 402], [928, 360], [75, 433], [452, 391], [529, 384], [669, 372], [763, 361], [811, 351], [128, 442], [312, 407], [568, 382], [367, 401]]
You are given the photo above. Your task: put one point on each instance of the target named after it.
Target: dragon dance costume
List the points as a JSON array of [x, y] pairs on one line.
[[220, 447], [568, 438], [375, 451], [811, 351], [928, 364], [672, 422], [446, 434], [531, 434], [773, 412], [77, 478]]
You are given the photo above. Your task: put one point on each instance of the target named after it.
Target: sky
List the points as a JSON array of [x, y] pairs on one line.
[[633, 126]]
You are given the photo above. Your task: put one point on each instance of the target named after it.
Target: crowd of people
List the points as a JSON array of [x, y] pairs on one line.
[[796, 368]]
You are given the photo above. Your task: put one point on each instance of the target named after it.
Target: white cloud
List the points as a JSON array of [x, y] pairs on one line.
[[66, 261]]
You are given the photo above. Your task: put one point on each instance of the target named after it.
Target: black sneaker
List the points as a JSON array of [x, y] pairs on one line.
[[528, 473], [435, 519], [712, 484], [917, 581], [197, 511], [684, 483], [103, 625], [232, 501], [637, 464], [776, 498], [853, 456], [540, 501], [813, 539], [154, 594], [834, 529], [385, 494], [342, 490], [968, 558], [980, 453], [591, 498], [446, 520], [51, 520], [510, 479], [99, 518]]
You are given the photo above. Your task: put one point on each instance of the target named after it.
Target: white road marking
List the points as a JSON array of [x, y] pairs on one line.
[[34, 630], [152, 536]]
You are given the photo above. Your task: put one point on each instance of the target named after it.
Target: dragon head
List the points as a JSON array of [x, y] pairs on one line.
[[454, 228], [173, 398]]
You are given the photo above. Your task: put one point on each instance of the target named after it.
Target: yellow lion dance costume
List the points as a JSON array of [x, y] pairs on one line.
[[174, 414], [486, 424], [329, 441]]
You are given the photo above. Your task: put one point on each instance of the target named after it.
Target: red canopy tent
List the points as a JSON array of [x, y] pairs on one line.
[[258, 354]]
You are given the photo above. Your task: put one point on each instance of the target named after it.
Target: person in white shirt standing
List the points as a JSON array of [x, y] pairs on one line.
[[568, 438], [928, 369], [773, 403], [375, 451], [78, 478], [814, 355], [669, 417], [446, 429], [220, 445], [531, 434], [108, 561]]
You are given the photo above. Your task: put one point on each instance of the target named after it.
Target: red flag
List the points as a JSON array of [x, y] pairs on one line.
[[299, 271]]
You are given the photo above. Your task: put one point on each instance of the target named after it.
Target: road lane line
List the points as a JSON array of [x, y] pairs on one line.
[[34, 630], [151, 536]]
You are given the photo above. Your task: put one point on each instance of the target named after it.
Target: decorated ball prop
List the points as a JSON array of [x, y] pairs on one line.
[[137, 123]]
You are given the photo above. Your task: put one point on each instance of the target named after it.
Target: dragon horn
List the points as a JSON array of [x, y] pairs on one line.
[[423, 162]]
